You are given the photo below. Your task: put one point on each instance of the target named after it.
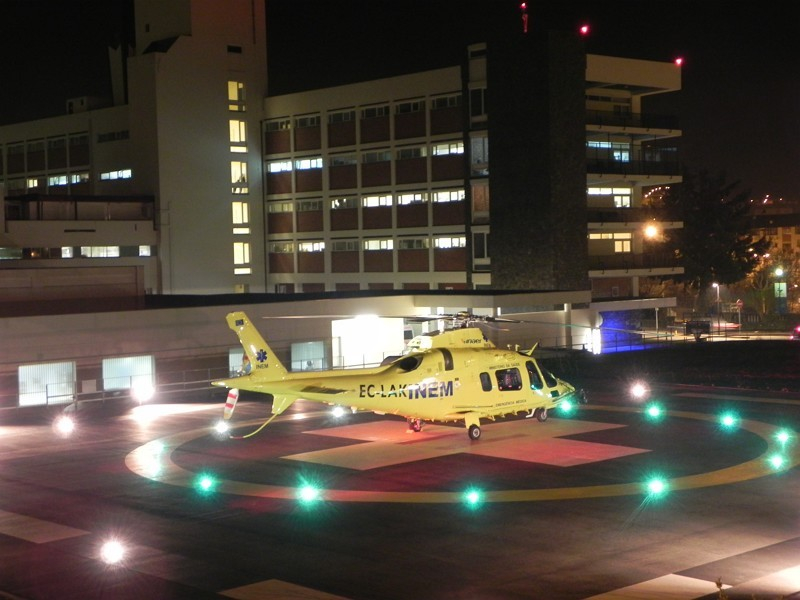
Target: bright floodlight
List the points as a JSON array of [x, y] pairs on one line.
[[728, 420], [782, 436], [221, 427], [112, 552], [638, 390], [143, 392], [65, 425], [338, 411]]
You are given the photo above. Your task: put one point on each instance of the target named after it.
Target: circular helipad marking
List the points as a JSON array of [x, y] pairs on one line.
[[150, 461]]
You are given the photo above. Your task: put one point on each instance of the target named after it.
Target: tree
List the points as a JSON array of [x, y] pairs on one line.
[[715, 245]]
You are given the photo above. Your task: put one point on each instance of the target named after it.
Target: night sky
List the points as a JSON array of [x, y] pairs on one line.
[[739, 109]]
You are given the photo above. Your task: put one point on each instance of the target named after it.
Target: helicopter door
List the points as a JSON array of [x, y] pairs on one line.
[[533, 373]]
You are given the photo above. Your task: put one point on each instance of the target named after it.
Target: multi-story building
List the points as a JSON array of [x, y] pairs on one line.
[[195, 180]]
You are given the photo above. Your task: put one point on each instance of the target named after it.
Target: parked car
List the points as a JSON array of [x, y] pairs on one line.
[[795, 333]]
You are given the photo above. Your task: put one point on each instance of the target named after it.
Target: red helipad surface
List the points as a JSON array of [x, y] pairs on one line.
[[388, 443]]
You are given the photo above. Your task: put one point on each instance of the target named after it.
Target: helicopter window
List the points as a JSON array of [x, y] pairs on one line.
[[448, 359], [486, 382], [549, 378], [509, 380], [536, 380]]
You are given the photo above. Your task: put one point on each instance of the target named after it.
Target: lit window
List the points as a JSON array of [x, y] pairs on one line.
[[349, 202], [281, 247], [112, 175], [448, 148], [236, 96], [242, 271], [311, 246], [279, 207], [238, 135], [411, 198], [376, 200], [99, 251], [304, 164], [448, 196], [144, 251], [622, 246], [241, 253], [66, 252], [240, 213], [57, 180], [450, 242], [238, 177], [279, 166], [378, 244]]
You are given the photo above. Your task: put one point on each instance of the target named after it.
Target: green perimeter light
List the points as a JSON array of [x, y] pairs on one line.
[[729, 420], [776, 461], [309, 493], [567, 407], [783, 436], [654, 412], [473, 497], [205, 483], [656, 487]]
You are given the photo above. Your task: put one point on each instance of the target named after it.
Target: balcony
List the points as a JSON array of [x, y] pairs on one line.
[[664, 262], [603, 215], [36, 207], [647, 163], [604, 118]]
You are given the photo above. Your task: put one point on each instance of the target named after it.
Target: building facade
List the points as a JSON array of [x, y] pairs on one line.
[[201, 182]]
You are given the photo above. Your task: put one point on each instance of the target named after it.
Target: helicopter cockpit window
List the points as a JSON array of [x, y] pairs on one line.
[[536, 380], [486, 382], [508, 380], [549, 378]]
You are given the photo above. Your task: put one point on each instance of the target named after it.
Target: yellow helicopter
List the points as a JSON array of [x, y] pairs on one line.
[[453, 375]]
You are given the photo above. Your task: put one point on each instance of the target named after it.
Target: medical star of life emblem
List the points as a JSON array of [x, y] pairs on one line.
[[261, 356]]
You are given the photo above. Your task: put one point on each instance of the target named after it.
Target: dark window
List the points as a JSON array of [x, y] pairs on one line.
[[486, 382]]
